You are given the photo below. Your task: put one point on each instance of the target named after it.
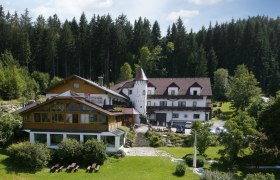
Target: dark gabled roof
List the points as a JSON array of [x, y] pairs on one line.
[[184, 84], [196, 85], [173, 84], [151, 85], [89, 82], [140, 76], [161, 85]]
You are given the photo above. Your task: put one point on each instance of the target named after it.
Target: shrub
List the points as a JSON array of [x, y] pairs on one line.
[[120, 153], [216, 175], [31, 156], [69, 150], [180, 169], [260, 176], [154, 138], [94, 151], [8, 125], [199, 160]]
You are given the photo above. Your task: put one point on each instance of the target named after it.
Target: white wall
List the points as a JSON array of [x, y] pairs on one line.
[[189, 102], [182, 115], [108, 149], [152, 89]]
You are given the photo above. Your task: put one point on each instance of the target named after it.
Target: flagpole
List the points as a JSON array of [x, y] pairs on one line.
[[194, 155]]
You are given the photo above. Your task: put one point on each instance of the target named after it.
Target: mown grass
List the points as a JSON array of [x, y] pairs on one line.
[[126, 168], [179, 152], [226, 111]]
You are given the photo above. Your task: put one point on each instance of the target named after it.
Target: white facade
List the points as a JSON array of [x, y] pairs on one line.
[[138, 97], [118, 140]]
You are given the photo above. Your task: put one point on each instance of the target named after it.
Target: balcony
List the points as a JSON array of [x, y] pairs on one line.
[[66, 127], [153, 108]]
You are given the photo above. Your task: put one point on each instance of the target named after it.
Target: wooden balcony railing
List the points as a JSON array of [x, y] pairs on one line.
[[65, 127]]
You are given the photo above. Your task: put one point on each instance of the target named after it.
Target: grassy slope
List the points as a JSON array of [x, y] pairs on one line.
[[125, 168], [226, 109], [179, 152]]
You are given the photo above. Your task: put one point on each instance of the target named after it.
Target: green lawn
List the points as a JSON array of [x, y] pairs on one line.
[[226, 110], [125, 168], [179, 152]]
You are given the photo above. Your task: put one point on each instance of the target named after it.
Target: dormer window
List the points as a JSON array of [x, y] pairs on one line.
[[195, 93], [173, 89]]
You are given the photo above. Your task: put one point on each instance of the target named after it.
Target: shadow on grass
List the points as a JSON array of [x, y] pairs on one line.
[[13, 167]]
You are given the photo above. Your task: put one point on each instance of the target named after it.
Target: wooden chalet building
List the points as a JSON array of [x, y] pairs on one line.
[[81, 109]]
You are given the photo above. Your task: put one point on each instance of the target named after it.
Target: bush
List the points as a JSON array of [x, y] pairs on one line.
[[69, 150], [180, 169], [8, 125], [154, 138], [31, 156], [199, 160], [216, 175], [260, 176], [94, 151], [120, 153]]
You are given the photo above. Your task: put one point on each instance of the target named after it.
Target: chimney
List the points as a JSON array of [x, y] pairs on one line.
[[100, 80]]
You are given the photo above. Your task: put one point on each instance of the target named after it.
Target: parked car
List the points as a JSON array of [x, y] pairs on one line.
[[180, 129], [188, 125]]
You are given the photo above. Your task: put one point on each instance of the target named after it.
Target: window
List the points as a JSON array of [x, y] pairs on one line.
[[74, 136], [122, 140], [26, 117], [175, 115], [194, 104], [163, 103], [103, 119], [56, 139], [40, 138], [37, 117], [73, 107], [88, 118], [144, 92], [195, 93], [148, 103], [86, 108], [72, 118], [172, 92], [181, 103], [45, 117], [130, 92], [92, 118], [89, 137], [196, 116], [186, 116], [58, 107], [57, 118], [76, 85], [149, 92], [108, 140]]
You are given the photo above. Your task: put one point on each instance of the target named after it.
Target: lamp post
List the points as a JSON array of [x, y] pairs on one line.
[[194, 155]]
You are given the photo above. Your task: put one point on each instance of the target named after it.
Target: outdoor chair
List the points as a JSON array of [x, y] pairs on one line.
[[60, 169], [54, 167], [76, 168], [97, 168]]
